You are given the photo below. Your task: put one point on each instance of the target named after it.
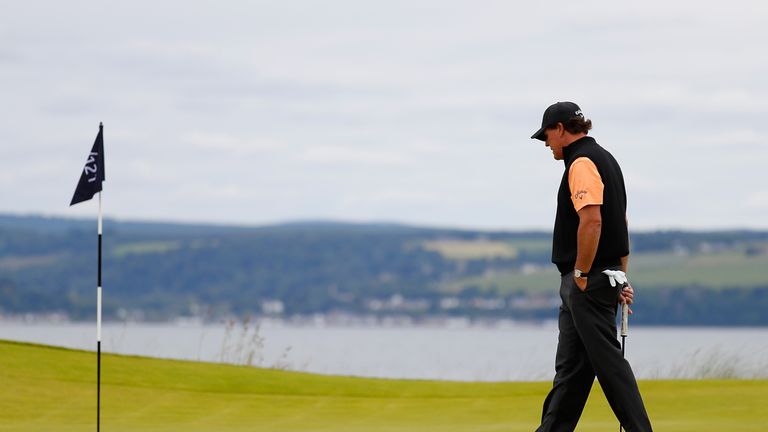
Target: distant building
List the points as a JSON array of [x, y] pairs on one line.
[[272, 307]]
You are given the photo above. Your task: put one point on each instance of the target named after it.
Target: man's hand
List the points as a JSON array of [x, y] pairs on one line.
[[581, 282], [627, 294]]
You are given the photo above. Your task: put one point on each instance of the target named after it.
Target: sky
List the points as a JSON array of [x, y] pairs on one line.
[[418, 112]]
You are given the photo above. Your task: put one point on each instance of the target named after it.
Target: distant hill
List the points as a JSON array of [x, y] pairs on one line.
[[161, 271]]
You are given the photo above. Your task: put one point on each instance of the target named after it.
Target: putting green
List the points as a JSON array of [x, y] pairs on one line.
[[46, 389]]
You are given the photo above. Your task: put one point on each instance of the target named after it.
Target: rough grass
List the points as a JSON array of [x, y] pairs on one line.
[[44, 388]]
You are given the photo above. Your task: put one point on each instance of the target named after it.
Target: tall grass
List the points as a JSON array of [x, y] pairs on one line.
[[714, 364], [243, 344]]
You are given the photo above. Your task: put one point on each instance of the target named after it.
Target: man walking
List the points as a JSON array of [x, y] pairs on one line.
[[590, 236]]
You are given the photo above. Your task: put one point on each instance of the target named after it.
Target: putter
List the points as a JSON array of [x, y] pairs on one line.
[[624, 333], [624, 325]]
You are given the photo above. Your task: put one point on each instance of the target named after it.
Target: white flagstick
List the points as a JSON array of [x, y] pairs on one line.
[[98, 331]]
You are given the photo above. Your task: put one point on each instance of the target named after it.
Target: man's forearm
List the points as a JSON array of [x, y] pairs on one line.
[[588, 238]]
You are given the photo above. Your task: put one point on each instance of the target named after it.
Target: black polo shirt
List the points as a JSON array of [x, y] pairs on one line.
[[614, 237]]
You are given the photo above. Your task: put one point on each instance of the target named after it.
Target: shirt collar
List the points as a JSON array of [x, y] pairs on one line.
[[571, 148]]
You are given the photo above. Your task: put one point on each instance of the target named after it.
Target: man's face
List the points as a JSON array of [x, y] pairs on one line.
[[555, 140]]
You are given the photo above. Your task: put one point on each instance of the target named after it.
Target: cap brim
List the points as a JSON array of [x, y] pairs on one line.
[[540, 135]]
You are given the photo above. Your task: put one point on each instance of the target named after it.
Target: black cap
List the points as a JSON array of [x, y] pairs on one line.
[[557, 112]]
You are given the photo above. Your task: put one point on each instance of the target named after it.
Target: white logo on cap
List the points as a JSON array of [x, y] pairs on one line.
[[579, 113]]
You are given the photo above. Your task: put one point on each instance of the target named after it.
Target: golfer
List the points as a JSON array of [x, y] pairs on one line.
[[590, 236]]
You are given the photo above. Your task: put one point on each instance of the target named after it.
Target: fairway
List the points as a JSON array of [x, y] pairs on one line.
[[46, 388]]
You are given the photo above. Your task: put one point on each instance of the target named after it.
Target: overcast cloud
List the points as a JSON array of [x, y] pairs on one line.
[[255, 112]]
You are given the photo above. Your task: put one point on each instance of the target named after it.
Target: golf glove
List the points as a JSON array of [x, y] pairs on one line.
[[616, 276]]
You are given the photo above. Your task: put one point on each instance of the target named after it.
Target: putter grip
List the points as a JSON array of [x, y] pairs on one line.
[[624, 319]]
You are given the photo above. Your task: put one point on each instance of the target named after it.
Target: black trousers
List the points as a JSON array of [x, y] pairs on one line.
[[587, 347]]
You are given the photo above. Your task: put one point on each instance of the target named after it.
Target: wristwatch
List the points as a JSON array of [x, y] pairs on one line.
[[580, 274]]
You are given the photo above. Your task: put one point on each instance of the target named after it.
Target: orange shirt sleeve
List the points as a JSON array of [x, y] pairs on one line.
[[585, 183]]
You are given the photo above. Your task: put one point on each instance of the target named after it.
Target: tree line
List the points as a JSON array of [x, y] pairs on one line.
[[162, 271]]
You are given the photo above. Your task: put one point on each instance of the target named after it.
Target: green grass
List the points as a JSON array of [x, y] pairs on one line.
[[13, 263], [545, 281], [146, 247], [715, 270], [646, 271], [471, 249], [44, 388], [461, 250]]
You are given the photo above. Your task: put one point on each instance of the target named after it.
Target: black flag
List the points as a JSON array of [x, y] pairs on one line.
[[93, 172]]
